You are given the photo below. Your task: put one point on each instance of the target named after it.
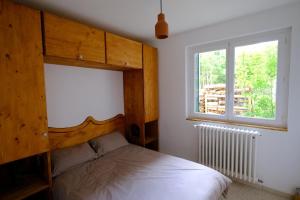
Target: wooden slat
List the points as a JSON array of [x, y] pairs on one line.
[[150, 69], [47, 172], [121, 51], [23, 117]]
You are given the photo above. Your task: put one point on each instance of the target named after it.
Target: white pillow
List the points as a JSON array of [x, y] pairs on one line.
[[64, 159], [109, 142]]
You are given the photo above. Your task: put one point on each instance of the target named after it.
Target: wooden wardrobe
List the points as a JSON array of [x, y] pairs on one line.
[[23, 115], [28, 39]]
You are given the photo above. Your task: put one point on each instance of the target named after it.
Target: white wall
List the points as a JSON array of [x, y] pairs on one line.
[[73, 93], [279, 152]]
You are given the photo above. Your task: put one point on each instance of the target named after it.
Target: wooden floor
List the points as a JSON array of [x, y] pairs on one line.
[[240, 191]]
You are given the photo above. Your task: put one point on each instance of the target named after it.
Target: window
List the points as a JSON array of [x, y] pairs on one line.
[[243, 79]]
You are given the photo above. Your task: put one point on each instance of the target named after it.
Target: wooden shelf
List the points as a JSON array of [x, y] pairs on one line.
[[36, 185], [237, 123], [150, 140], [151, 135]]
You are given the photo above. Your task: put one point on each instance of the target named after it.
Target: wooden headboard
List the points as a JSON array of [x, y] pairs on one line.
[[87, 130]]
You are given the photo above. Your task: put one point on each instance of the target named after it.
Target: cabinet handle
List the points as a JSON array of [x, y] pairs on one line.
[[45, 134], [80, 57]]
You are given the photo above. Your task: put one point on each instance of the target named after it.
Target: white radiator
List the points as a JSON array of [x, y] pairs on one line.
[[231, 151]]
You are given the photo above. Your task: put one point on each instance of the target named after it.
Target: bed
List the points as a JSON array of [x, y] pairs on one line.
[[130, 172]]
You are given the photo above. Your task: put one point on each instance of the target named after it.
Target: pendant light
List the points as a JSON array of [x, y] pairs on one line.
[[161, 27]]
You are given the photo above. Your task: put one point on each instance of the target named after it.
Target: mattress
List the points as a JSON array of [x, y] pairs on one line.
[[135, 173]]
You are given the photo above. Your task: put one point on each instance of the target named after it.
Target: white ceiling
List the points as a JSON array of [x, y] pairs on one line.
[[136, 18]]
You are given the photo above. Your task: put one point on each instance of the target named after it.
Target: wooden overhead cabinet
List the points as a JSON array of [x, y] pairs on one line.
[[72, 43], [23, 117], [121, 51]]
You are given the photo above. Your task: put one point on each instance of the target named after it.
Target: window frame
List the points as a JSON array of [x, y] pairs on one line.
[[282, 82]]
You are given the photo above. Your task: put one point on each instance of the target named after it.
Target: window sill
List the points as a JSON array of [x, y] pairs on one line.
[[273, 128]]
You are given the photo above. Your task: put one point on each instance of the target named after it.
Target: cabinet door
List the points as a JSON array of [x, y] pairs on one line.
[[23, 118], [150, 83], [72, 40], [123, 52]]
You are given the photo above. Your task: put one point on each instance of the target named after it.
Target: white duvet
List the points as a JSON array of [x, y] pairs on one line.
[[135, 173]]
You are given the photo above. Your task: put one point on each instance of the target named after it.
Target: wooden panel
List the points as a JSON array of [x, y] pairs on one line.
[[150, 83], [69, 39], [47, 172], [23, 118], [123, 52], [87, 130], [134, 102]]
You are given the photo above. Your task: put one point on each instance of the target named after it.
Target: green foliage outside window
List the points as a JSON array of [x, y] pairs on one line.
[[255, 75]]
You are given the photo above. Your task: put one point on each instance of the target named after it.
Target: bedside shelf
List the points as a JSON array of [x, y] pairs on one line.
[[36, 185], [26, 178], [150, 140], [151, 135]]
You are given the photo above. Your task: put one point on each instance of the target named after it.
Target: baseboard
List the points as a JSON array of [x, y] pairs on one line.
[[265, 188]]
